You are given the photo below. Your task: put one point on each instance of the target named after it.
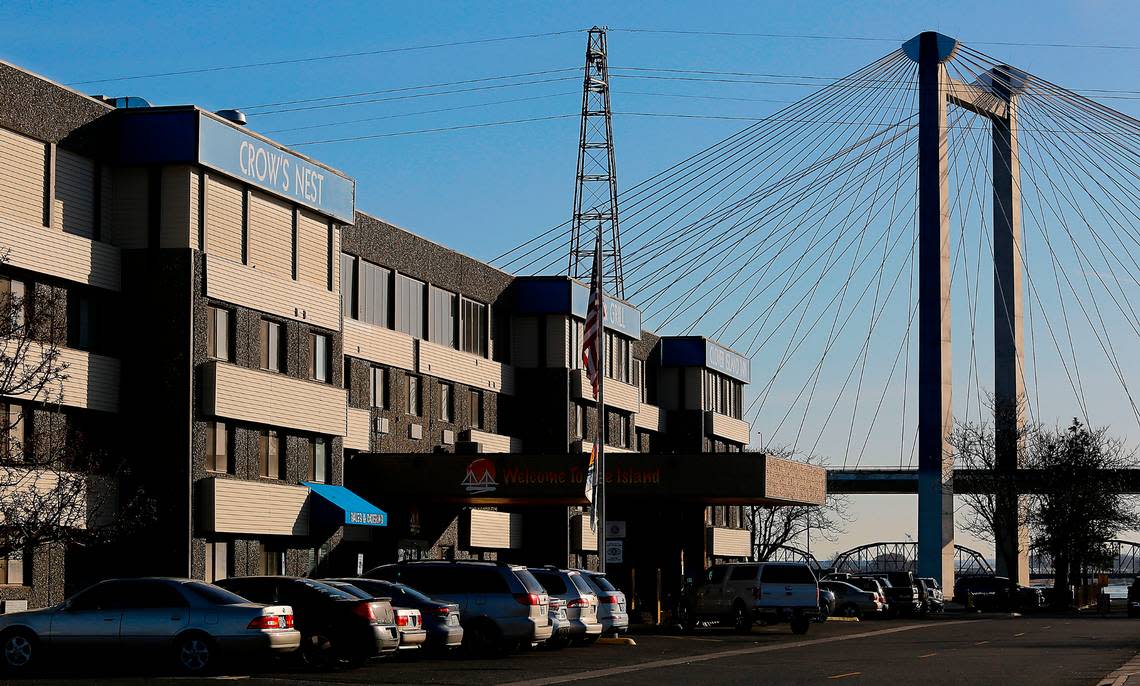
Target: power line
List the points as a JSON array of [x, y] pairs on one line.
[[871, 39], [443, 128], [322, 58]]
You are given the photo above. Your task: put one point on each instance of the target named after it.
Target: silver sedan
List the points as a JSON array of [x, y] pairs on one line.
[[187, 623]]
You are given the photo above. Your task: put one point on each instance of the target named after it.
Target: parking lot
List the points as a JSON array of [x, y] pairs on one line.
[[947, 650]]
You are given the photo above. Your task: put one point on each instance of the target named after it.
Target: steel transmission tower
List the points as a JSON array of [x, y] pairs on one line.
[[595, 192]]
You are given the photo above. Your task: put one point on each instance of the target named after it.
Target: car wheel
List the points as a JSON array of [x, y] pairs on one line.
[[316, 651], [194, 654], [686, 618], [741, 620], [483, 639], [800, 624], [850, 610], [20, 651]]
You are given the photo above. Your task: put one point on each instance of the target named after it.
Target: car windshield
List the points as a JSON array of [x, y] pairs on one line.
[[213, 594], [580, 584], [602, 583], [351, 590], [326, 590], [786, 574], [529, 582], [551, 581]]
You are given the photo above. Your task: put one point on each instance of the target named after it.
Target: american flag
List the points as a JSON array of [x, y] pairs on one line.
[[592, 487], [595, 313]]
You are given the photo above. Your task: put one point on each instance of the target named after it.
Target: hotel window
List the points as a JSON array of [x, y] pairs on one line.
[[217, 561], [623, 429], [441, 324], [218, 333], [16, 305], [319, 361], [348, 287], [639, 379], [272, 560], [475, 410], [271, 459], [82, 322], [576, 330], [446, 394], [217, 447], [374, 287], [617, 357], [12, 569], [378, 388], [410, 306], [14, 431], [319, 464], [579, 421], [415, 401], [272, 346], [474, 327]]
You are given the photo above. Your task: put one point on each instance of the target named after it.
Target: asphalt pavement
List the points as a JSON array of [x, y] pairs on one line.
[[961, 651]]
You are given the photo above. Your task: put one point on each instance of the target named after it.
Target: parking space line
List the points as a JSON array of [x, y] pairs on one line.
[[692, 638], [1021, 634], [980, 643], [721, 654], [844, 676], [927, 655]]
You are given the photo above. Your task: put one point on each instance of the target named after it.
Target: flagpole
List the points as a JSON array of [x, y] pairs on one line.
[[600, 434]]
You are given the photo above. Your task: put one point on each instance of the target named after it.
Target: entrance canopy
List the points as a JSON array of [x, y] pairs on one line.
[[339, 505], [528, 479]]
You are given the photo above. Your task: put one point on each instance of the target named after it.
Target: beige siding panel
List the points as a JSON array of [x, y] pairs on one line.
[[128, 228], [312, 249], [22, 178], [60, 254], [335, 260], [74, 210], [649, 417], [91, 381], [588, 447], [524, 342], [195, 208], [33, 492], [358, 429], [622, 396], [176, 229], [236, 283], [254, 507], [490, 529], [223, 218], [492, 443], [454, 365], [723, 426], [582, 537], [271, 235], [273, 399], [557, 341], [724, 542], [378, 344]]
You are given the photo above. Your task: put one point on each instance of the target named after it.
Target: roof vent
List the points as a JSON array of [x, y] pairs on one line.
[[235, 116]]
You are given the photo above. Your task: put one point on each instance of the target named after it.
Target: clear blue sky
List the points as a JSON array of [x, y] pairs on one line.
[[482, 190]]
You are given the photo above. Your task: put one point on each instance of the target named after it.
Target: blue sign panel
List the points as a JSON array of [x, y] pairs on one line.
[[696, 351], [619, 316], [723, 360], [259, 163]]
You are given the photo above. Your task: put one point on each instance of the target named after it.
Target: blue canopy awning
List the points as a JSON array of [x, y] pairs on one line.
[[342, 506]]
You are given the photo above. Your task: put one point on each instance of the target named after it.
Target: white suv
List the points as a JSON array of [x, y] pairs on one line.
[[742, 593]]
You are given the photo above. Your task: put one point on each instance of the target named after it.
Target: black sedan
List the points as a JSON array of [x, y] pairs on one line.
[[441, 620], [334, 625]]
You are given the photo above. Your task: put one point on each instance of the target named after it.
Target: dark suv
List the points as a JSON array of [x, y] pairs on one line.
[[501, 606]]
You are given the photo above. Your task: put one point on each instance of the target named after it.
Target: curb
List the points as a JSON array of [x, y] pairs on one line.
[[616, 641], [842, 619]]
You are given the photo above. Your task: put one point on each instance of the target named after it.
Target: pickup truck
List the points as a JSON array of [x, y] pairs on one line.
[[741, 594]]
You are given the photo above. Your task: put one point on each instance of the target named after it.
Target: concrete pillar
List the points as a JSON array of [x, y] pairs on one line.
[[1011, 537], [935, 413]]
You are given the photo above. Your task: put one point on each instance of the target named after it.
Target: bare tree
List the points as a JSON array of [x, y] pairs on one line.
[[994, 503], [782, 525], [53, 488]]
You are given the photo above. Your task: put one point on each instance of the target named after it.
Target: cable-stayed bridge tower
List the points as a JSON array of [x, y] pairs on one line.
[[595, 189]]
